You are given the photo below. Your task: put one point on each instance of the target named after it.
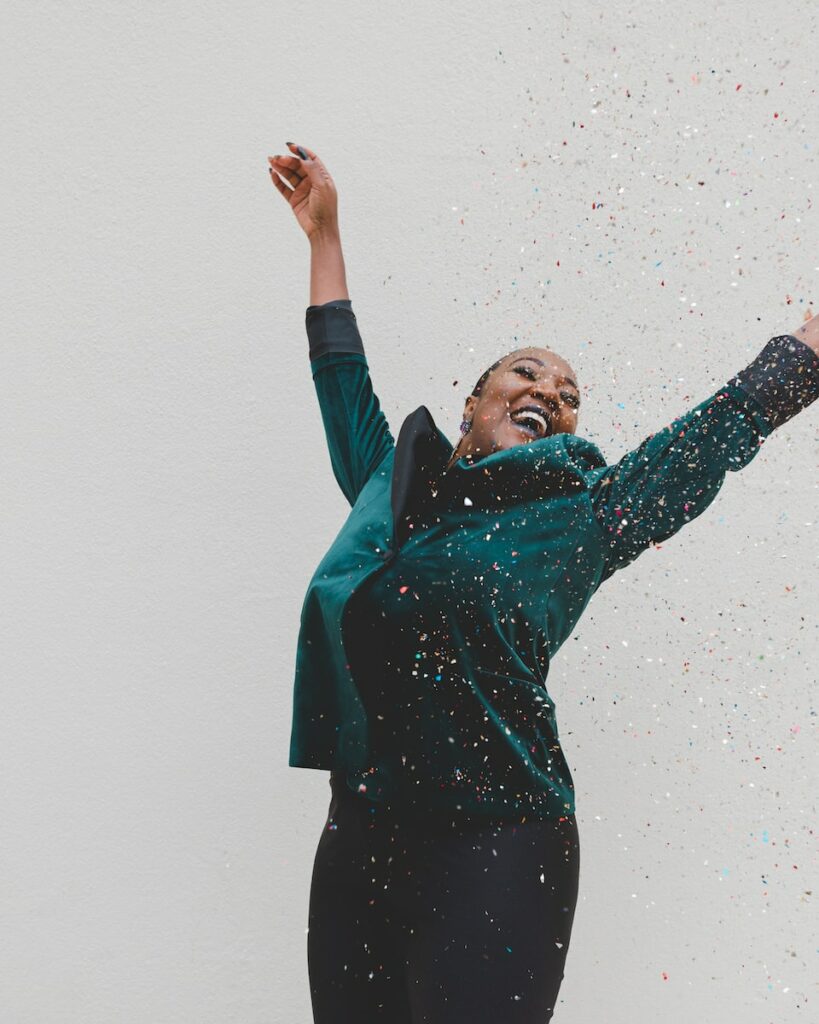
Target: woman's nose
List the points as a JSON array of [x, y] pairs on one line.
[[546, 393]]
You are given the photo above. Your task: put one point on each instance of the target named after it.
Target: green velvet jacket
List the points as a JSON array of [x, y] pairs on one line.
[[428, 627]]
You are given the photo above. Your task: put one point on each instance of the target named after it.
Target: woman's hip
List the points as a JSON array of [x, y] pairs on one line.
[[415, 857], [440, 925]]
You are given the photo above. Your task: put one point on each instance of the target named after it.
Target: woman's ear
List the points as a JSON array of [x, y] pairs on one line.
[[469, 407]]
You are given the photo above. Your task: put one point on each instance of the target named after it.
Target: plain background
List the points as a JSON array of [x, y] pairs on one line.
[[633, 186]]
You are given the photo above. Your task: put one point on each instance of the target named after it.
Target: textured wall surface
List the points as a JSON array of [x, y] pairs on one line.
[[633, 185]]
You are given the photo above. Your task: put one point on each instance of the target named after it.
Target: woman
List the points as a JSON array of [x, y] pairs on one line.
[[445, 880]]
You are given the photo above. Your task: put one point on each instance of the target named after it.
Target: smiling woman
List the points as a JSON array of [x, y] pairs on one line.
[[445, 879], [526, 395]]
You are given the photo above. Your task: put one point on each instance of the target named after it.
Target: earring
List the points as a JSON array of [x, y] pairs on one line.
[[466, 426]]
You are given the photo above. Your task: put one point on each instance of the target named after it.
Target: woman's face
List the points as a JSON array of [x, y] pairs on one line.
[[531, 394]]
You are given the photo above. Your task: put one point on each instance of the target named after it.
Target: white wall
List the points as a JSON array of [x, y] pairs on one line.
[[162, 453]]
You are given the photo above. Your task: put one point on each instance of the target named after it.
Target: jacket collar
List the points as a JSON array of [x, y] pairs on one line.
[[548, 468], [421, 453]]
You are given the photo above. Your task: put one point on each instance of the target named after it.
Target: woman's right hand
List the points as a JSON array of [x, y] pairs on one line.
[[312, 193]]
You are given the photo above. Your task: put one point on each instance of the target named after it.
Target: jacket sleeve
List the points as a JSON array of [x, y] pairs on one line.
[[358, 436], [675, 474]]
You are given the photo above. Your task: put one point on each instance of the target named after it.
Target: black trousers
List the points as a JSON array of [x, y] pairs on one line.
[[414, 922]]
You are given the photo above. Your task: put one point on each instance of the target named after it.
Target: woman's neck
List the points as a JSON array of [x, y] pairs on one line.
[[452, 460], [457, 456]]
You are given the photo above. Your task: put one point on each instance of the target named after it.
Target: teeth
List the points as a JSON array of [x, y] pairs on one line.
[[530, 414]]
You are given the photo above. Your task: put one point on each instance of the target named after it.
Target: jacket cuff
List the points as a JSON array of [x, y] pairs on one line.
[[332, 327], [783, 379]]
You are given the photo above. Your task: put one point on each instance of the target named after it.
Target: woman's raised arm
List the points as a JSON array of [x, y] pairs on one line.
[[357, 432], [675, 474]]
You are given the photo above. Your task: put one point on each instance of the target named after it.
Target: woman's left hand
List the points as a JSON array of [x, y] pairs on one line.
[[809, 333]]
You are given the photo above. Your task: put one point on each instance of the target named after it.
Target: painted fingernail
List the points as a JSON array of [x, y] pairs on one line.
[[301, 153]]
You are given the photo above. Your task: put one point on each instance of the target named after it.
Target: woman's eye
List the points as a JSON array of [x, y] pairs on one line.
[[573, 400]]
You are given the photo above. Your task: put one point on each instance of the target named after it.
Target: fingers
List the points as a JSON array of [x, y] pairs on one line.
[[280, 185], [289, 167], [294, 169], [313, 167], [293, 162], [304, 149]]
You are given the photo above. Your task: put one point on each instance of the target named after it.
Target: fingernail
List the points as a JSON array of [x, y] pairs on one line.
[[289, 143], [301, 153]]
